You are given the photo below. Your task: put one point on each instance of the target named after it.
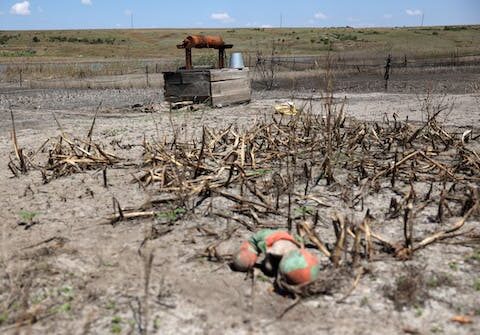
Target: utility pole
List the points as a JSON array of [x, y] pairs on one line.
[[131, 20], [281, 20], [423, 16]]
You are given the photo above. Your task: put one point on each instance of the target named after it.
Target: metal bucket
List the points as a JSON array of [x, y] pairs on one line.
[[236, 61]]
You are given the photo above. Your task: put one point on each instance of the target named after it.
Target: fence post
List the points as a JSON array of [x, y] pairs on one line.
[[146, 74], [20, 79], [386, 76]]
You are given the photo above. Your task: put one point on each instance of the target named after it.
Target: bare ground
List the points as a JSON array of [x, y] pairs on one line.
[[71, 272]]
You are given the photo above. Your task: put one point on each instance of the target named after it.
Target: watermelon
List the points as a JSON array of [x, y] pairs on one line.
[[245, 258], [299, 267]]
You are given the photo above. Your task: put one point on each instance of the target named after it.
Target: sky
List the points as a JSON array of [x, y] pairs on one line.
[[91, 14]]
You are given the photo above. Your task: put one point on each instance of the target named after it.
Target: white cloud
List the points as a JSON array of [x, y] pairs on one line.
[[86, 2], [320, 16], [387, 16], [414, 12], [128, 12], [257, 25], [364, 25], [21, 8], [222, 17]]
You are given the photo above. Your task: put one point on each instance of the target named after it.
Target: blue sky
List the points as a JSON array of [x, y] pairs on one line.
[[87, 14]]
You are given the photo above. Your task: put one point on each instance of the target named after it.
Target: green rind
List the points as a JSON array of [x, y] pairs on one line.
[[293, 260]]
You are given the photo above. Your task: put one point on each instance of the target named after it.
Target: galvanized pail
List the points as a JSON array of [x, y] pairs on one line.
[[236, 61]]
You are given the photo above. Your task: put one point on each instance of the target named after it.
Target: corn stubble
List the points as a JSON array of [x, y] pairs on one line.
[[255, 175]]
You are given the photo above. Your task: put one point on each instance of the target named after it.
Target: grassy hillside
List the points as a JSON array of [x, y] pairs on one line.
[[160, 43]]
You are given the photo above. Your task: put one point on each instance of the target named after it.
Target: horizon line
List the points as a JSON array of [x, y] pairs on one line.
[[229, 28]]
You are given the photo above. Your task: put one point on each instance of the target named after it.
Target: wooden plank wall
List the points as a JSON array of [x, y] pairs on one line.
[[187, 85], [221, 87], [230, 86]]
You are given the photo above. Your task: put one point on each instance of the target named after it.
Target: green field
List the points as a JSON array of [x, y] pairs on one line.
[[160, 43]]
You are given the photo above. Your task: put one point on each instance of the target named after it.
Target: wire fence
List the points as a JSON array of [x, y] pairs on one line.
[[148, 73], [298, 63], [86, 74]]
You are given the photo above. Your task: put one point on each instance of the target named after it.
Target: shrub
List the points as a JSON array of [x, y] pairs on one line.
[[454, 28], [18, 53], [4, 39]]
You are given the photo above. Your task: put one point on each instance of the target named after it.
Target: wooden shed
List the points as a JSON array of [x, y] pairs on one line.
[[217, 87]]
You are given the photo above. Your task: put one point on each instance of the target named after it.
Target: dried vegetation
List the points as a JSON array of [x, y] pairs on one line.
[[287, 171]]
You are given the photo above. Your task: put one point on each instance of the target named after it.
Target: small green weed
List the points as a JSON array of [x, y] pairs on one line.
[[156, 323], [418, 311], [27, 216], [66, 292], [475, 256], [436, 329], [3, 318], [261, 277], [258, 172], [453, 266], [476, 284], [63, 308], [439, 279], [172, 215], [304, 210], [111, 305], [116, 325], [364, 301], [39, 297]]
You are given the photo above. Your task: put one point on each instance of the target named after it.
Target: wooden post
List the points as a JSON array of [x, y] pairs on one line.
[[386, 76], [221, 58], [21, 78], [146, 75], [188, 59]]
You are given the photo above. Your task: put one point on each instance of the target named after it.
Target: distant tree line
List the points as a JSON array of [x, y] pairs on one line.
[[98, 40]]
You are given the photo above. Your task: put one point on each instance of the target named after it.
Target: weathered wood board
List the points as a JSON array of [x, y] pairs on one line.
[[187, 85], [220, 87]]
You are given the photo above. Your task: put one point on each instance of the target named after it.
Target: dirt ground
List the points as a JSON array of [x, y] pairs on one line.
[[68, 271]]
